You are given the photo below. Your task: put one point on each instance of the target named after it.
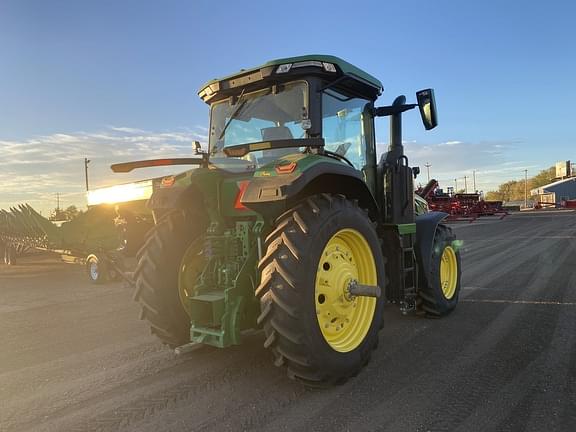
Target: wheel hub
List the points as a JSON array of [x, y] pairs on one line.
[[344, 320], [94, 270], [448, 272]]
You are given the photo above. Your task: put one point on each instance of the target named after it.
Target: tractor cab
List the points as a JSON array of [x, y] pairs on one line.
[[315, 104]]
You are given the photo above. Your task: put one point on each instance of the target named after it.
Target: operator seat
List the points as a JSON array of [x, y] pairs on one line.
[[272, 134]]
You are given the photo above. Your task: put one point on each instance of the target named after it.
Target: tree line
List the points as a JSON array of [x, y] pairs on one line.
[[513, 190]]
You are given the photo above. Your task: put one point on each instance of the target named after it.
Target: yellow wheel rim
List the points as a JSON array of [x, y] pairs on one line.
[[448, 272], [344, 321]]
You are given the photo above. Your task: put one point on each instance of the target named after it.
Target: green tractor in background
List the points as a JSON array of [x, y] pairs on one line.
[[289, 223]]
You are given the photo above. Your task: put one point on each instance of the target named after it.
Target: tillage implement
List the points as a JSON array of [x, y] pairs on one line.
[[290, 223]]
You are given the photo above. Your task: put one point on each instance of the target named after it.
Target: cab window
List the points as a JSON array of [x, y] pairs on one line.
[[343, 127]]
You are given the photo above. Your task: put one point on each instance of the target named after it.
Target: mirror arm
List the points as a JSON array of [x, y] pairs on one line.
[[392, 109]]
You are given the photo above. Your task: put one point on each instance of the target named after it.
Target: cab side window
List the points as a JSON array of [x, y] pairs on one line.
[[343, 126]]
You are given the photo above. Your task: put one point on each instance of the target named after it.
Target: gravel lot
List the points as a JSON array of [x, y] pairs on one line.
[[75, 357]]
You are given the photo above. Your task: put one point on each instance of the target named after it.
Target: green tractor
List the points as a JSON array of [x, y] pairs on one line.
[[290, 223]]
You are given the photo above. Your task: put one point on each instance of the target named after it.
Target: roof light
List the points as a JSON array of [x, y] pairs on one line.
[[283, 68], [329, 67], [307, 63]]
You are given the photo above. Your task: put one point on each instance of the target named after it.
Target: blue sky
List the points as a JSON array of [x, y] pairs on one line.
[[115, 80]]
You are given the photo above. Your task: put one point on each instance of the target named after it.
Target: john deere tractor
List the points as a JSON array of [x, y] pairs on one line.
[[290, 223]]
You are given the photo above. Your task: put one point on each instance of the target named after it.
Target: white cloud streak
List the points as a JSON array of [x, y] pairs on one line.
[[455, 159], [34, 170]]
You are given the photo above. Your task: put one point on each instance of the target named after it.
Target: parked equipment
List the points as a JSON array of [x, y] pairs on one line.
[[459, 206], [289, 223], [100, 238]]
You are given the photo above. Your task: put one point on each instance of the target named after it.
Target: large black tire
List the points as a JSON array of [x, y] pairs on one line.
[[432, 298], [156, 276], [287, 290]]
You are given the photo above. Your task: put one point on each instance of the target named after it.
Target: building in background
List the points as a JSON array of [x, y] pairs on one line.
[[563, 169]]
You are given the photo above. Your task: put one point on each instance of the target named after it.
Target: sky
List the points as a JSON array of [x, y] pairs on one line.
[[117, 80]]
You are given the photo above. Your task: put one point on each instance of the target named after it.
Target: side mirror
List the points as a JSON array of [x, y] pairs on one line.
[[427, 106]]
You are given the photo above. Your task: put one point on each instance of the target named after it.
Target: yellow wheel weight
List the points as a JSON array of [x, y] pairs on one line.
[[448, 272], [344, 320]]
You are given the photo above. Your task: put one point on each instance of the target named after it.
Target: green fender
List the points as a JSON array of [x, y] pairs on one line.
[[271, 196], [426, 225]]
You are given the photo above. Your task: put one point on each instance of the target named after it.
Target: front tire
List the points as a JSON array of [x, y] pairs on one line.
[[440, 289], [317, 332]]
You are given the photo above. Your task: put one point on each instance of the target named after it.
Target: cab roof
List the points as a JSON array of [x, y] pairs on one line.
[[268, 69]]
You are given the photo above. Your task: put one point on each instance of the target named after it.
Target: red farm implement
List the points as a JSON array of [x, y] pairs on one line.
[[460, 206]]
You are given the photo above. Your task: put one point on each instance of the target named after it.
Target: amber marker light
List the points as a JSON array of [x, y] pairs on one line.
[[286, 168], [242, 186]]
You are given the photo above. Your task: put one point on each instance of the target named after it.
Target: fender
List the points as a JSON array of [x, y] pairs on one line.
[[273, 195], [175, 197], [426, 225]]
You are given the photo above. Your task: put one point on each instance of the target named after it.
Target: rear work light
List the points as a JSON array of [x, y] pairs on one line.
[[283, 68], [328, 67]]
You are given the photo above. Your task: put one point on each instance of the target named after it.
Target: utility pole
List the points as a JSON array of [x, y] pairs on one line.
[[86, 162], [465, 185], [427, 165], [525, 188], [474, 179], [455, 185]]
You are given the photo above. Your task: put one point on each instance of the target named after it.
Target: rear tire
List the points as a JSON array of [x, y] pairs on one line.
[[298, 251], [439, 290], [156, 276]]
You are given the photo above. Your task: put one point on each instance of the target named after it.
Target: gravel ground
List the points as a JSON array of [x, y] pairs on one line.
[[75, 357]]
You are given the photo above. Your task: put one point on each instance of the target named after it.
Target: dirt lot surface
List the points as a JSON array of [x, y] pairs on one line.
[[75, 357]]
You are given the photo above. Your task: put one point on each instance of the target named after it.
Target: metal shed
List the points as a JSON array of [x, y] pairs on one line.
[[556, 192]]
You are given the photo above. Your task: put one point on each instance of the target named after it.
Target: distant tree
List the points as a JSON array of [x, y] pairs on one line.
[[72, 212], [542, 178], [66, 214], [507, 190], [514, 190], [493, 196]]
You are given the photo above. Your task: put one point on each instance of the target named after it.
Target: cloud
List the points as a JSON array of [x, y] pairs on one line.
[[34, 170], [455, 159], [450, 143]]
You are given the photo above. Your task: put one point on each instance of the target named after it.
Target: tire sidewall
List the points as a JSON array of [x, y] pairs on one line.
[[101, 266], [333, 362], [441, 241]]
